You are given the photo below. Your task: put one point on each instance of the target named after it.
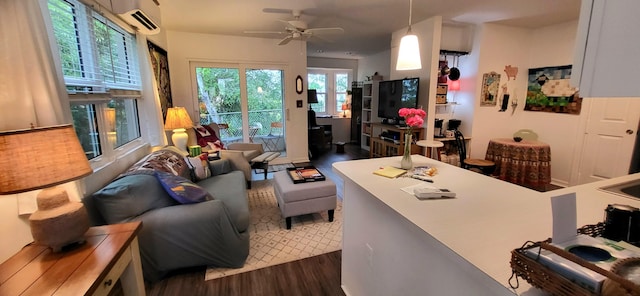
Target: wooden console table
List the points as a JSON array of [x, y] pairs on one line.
[[382, 148], [92, 268]]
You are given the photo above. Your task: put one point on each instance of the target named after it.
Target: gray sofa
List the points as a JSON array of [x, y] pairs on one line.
[[175, 235]]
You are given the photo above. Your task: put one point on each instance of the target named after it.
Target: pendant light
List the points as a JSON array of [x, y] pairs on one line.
[[409, 53]]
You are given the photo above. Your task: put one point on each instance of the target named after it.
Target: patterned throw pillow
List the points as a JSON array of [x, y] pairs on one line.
[[206, 136], [199, 166], [181, 189], [163, 160]]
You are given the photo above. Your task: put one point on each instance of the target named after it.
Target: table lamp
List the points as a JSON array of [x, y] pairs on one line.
[[345, 107], [41, 158], [178, 120], [312, 97]]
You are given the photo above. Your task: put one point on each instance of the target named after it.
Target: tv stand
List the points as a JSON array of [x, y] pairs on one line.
[[382, 146], [388, 121]]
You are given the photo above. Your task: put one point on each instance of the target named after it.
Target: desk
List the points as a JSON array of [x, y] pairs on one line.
[[340, 127], [110, 252], [526, 163]]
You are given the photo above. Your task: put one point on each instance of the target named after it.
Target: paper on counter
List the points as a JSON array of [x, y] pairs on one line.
[[563, 208], [409, 189]]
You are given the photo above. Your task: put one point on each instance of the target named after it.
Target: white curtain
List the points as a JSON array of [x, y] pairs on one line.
[[31, 83], [32, 89]]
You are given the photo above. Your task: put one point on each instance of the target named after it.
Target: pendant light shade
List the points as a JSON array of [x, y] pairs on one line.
[[409, 53]]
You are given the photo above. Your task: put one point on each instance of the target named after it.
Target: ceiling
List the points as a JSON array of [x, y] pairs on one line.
[[367, 24]]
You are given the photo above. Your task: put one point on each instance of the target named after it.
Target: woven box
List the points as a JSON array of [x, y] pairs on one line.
[[548, 280], [441, 99], [442, 89]]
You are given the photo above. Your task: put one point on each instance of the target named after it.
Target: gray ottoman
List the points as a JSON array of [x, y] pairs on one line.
[[303, 198]]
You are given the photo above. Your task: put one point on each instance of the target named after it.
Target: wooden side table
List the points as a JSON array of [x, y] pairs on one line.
[[92, 268]]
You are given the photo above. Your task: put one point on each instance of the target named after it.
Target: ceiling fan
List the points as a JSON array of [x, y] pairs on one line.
[[296, 28]]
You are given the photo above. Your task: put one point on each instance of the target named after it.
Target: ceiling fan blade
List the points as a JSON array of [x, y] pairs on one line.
[[325, 30], [285, 40], [277, 10], [265, 32]]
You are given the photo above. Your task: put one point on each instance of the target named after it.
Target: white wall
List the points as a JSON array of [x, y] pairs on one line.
[[499, 46], [331, 63], [188, 47], [379, 62]]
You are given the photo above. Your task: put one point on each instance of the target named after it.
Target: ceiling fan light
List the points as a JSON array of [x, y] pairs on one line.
[[409, 53]]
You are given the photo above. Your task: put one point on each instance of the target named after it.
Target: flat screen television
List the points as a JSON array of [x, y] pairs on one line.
[[396, 94]]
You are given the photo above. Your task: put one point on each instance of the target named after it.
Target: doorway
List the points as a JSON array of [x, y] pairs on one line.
[[609, 138], [246, 101]]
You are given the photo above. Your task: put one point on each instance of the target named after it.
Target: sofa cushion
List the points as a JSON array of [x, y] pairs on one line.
[[181, 189], [129, 197], [231, 190]]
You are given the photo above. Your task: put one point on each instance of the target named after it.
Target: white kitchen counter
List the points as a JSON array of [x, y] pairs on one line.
[[395, 244]]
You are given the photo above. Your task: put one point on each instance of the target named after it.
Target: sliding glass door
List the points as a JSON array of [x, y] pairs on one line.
[[247, 102]]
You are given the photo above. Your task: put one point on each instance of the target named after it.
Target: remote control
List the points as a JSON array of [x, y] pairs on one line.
[[432, 193]]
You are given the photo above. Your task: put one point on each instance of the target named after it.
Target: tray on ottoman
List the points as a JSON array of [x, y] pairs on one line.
[[305, 174]]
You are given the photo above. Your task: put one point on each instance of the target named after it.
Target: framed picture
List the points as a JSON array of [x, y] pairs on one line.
[[549, 90], [160, 65], [490, 86]]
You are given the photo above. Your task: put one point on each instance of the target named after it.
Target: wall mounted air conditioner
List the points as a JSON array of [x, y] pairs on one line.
[[142, 14]]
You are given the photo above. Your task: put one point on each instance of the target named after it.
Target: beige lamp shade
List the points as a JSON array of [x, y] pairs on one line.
[[177, 117], [39, 158]]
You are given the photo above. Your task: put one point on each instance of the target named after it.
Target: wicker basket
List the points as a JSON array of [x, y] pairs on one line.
[[548, 280]]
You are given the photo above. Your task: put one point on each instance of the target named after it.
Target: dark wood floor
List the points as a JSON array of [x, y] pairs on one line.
[[319, 275]]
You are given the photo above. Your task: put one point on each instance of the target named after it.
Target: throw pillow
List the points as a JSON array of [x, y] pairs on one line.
[[164, 160], [206, 136], [181, 189], [199, 166]]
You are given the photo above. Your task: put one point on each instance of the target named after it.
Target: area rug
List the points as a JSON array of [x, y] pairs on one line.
[[270, 241], [275, 168]]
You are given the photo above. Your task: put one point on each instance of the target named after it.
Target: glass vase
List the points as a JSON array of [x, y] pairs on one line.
[[406, 162]]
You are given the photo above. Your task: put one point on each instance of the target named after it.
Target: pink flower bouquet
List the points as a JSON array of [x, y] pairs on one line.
[[412, 117]]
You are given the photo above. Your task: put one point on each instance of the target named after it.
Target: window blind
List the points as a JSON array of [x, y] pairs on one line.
[[96, 54]]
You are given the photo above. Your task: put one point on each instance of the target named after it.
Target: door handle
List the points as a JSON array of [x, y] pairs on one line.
[[629, 132]]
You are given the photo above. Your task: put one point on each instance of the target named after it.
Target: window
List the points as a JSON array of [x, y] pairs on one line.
[[221, 100], [319, 83], [101, 72], [331, 86], [342, 84]]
